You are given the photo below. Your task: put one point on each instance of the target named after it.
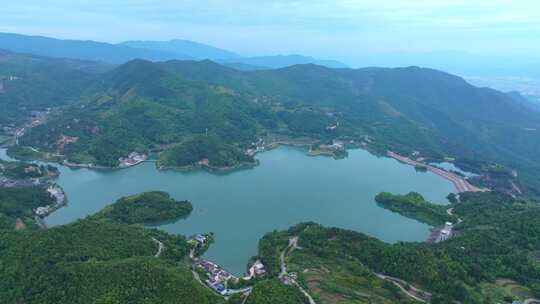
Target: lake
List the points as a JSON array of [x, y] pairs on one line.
[[287, 188]]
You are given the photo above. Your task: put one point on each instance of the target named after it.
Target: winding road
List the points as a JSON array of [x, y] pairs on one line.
[[400, 284], [293, 244], [161, 247]]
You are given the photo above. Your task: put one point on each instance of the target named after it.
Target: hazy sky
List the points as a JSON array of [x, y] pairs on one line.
[[339, 29]]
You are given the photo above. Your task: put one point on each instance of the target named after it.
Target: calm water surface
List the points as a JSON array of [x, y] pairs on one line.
[[285, 189]]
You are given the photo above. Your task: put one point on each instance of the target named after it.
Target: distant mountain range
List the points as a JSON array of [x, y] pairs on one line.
[[281, 61], [142, 105], [148, 50], [462, 63], [78, 49], [531, 102], [156, 104], [184, 49], [31, 82]]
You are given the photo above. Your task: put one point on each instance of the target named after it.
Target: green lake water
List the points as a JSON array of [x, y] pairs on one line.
[[285, 189]]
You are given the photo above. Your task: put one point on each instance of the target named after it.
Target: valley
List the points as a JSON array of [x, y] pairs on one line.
[[331, 192], [420, 186]]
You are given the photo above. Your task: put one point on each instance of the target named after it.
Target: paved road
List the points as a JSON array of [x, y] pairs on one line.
[[293, 244], [460, 183], [160, 247], [400, 284]]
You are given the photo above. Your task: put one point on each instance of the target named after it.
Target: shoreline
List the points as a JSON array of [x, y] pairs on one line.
[[460, 183], [193, 167], [61, 160]]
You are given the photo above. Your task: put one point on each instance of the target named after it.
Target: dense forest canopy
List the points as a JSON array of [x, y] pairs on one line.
[[209, 150], [97, 260], [144, 106], [413, 205], [193, 113], [145, 208], [498, 238]]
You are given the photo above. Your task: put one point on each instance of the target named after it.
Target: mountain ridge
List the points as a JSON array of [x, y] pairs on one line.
[[76, 49], [400, 109]]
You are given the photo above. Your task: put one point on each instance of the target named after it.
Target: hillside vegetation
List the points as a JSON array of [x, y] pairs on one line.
[[97, 261], [403, 109], [20, 195], [139, 107], [145, 208], [273, 291], [413, 205], [20, 203], [498, 238], [143, 106], [204, 150], [32, 83]]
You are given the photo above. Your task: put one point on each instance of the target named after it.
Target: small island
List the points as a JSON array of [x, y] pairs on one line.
[[413, 205], [205, 151], [146, 207]]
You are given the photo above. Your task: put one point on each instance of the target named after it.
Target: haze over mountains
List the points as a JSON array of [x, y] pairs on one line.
[[149, 50], [98, 103], [162, 103], [485, 67], [403, 108]]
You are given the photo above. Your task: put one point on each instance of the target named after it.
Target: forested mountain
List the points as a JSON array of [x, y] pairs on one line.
[[149, 50], [33, 83], [530, 102], [142, 106], [80, 49], [199, 51], [497, 238], [184, 48], [446, 114], [281, 61], [100, 260]]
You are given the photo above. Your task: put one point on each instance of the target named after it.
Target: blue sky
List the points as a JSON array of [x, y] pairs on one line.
[[341, 29]]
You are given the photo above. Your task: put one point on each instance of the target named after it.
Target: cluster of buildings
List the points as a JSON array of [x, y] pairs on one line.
[[10, 183], [446, 232], [289, 278], [332, 127], [328, 149], [217, 276], [9, 129], [43, 211], [256, 147], [6, 78], [257, 269], [132, 159], [65, 140], [60, 198], [201, 238], [441, 234], [336, 145], [57, 193]]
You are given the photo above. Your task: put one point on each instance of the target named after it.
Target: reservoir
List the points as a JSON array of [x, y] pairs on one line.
[[287, 188]]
